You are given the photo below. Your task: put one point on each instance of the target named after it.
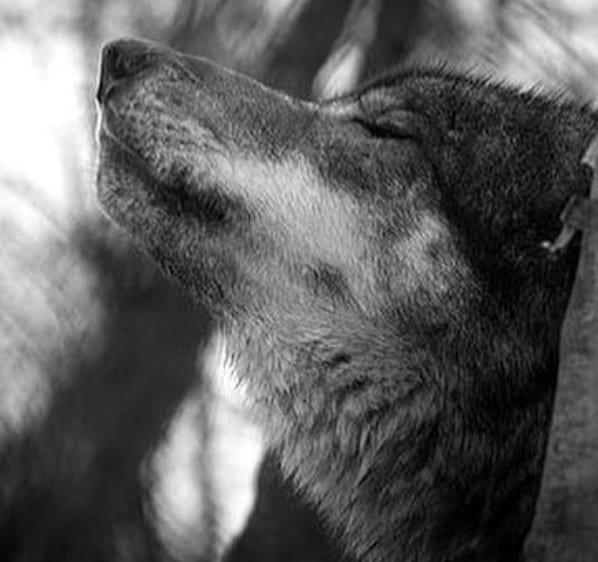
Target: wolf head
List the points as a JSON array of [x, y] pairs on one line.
[[376, 265]]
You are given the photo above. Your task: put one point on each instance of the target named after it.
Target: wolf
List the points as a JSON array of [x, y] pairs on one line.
[[378, 271]]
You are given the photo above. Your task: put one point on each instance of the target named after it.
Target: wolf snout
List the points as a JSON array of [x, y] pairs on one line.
[[120, 60]]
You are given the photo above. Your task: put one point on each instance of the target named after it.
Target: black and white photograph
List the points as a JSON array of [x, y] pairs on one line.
[[299, 281]]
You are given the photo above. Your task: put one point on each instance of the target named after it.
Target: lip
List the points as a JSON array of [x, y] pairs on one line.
[[113, 154], [106, 137], [103, 129], [177, 194]]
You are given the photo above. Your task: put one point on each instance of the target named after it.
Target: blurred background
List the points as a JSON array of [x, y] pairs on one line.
[[97, 352]]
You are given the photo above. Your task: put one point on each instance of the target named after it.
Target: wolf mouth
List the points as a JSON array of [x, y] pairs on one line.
[[177, 190]]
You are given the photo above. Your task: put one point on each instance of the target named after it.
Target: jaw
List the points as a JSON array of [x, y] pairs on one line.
[[140, 178], [124, 188], [186, 231]]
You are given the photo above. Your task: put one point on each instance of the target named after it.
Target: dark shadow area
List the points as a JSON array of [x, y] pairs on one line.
[[283, 526], [72, 486]]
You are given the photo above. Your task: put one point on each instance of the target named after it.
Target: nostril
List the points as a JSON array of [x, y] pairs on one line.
[[121, 59]]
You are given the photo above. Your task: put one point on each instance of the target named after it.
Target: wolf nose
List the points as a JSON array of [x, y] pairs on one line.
[[121, 59]]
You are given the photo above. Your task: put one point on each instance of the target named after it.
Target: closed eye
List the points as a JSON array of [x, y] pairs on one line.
[[396, 125]]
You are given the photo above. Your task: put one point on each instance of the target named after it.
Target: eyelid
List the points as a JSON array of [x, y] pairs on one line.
[[361, 106], [383, 126], [367, 124]]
